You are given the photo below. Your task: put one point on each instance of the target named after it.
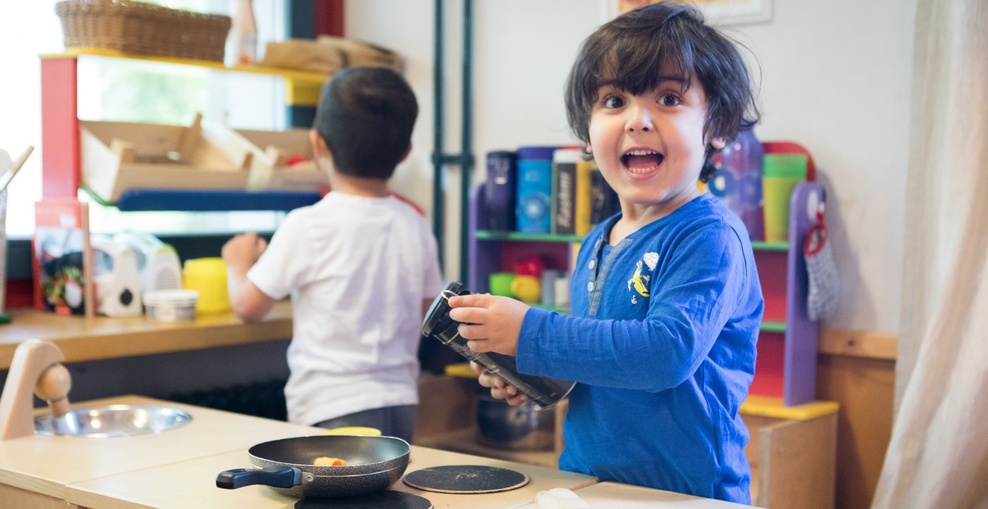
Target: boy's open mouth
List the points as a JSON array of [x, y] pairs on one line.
[[641, 161]]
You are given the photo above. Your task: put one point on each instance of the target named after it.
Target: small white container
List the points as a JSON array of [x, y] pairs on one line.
[[171, 305]]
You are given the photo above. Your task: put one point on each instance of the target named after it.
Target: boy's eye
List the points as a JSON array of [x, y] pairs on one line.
[[612, 102], [669, 100]]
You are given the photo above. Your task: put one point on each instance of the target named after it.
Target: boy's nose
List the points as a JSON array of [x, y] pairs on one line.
[[639, 120]]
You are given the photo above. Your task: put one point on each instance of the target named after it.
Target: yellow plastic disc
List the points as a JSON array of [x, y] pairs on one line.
[[354, 430]]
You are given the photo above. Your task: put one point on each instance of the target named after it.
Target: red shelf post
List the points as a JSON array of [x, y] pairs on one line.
[[60, 132]]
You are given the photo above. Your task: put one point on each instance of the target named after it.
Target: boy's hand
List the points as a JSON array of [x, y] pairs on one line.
[[242, 251], [499, 389], [488, 323]]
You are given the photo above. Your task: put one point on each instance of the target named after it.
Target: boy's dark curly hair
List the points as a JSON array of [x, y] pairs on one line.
[[631, 52], [366, 115]]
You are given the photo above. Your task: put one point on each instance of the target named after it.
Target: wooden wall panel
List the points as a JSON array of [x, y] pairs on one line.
[[857, 370]]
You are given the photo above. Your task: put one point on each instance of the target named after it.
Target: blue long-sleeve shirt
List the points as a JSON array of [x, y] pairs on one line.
[[661, 341]]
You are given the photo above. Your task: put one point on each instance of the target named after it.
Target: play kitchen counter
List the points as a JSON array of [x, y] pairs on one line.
[[86, 339], [178, 468]]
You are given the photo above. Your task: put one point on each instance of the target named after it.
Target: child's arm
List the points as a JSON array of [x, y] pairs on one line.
[[249, 303]]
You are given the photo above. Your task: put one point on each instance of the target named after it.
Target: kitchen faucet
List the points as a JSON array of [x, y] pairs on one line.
[[35, 369]]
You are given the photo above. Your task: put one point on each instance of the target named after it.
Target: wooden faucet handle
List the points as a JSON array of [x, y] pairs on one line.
[[53, 386]]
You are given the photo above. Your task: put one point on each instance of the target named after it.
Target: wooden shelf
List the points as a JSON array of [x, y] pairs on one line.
[[288, 74], [97, 338]]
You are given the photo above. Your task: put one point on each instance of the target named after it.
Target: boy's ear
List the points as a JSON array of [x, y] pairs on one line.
[[319, 148], [718, 143]]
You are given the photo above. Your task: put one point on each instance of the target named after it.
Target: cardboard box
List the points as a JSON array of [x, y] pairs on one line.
[[329, 54], [281, 160], [117, 156]]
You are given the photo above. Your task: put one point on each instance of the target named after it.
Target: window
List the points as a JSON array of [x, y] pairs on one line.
[[131, 91]]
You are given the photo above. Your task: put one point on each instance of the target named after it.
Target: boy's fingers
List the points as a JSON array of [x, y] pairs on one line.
[[517, 399], [468, 315], [469, 300], [477, 346]]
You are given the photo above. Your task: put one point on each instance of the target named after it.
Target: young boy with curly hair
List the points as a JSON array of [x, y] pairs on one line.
[[666, 301]]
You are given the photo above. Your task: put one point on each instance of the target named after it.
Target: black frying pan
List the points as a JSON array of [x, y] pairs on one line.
[[372, 464]]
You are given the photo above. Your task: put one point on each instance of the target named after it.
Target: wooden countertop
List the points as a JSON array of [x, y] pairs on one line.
[[154, 487], [178, 468], [86, 339], [45, 464]]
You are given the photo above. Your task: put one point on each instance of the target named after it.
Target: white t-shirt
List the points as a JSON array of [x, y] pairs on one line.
[[357, 269]]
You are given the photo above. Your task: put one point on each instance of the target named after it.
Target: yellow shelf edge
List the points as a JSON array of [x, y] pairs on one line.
[[772, 407], [290, 74], [302, 93]]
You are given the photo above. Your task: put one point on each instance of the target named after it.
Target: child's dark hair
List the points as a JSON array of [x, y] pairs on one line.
[[631, 51], [365, 116]]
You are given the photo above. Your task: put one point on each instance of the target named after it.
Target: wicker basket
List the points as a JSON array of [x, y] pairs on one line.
[[143, 29]]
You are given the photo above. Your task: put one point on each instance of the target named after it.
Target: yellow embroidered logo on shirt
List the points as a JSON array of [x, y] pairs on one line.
[[640, 281]]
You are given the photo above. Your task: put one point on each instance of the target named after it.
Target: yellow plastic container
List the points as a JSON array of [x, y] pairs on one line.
[[208, 277], [781, 175], [526, 289]]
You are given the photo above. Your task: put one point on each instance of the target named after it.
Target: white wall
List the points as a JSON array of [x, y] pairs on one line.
[[835, 77]]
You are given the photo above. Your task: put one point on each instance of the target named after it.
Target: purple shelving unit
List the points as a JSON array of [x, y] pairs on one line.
[[482, 261], [500, 251], [799, 371], [787, 357]]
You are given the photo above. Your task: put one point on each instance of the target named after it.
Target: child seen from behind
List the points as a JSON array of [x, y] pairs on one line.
[[361, 265]]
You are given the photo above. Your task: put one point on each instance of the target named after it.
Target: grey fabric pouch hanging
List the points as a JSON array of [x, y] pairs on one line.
[[824, 286]]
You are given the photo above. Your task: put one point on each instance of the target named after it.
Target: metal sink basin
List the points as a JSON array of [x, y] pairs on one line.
[[112, 421]]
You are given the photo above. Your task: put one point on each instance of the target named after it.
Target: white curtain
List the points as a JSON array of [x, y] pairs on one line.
[[938, 453]]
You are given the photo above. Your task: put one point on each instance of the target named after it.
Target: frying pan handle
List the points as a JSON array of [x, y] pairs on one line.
[[287, 477]]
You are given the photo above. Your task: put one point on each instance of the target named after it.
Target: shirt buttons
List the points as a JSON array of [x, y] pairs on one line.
[[590, 286], [593, 263]]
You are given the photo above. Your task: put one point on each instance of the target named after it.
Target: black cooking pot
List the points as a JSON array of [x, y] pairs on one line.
[[515, 427], [373, 463]]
